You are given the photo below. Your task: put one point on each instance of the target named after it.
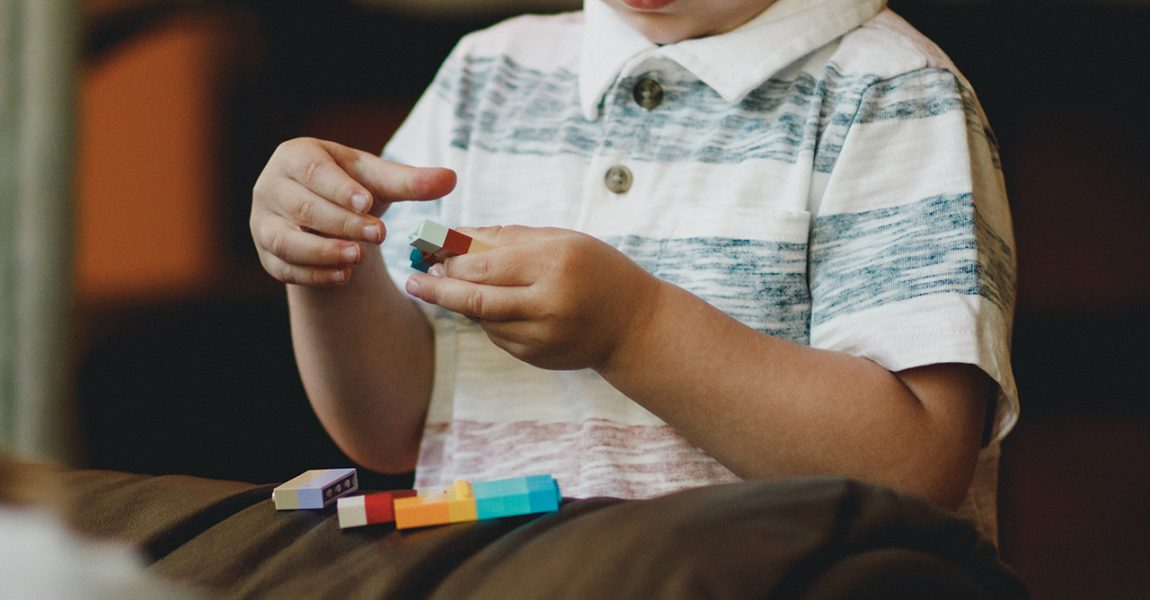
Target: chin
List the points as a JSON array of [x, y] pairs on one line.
[[663, 34]]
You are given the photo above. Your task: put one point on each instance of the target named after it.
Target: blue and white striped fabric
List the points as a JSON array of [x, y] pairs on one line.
[[822, 174]]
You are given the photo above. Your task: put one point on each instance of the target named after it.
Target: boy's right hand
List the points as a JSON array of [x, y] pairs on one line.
[[316, 202]]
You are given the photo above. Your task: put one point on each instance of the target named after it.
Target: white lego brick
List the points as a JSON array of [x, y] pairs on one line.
[[352, 512], [315, 489]]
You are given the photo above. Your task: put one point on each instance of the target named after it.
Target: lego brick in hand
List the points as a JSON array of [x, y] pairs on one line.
[[315, 489], [435, 243]]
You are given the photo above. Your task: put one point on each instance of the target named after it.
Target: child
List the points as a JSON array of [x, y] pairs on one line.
[[755, 238]]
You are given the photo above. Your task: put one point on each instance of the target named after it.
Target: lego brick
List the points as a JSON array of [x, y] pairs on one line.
[[477, 246], [507, 505], [369, 509], [515, 496], [351, 511], [436, 243], [315, 489], [461, 503], [436, 506], [429, 236], [382, 510], [457, 243], [543, 494], [421, 511], [421, 260], [500, 487]]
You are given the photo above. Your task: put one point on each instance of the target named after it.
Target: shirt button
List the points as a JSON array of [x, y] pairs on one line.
[[618, 179], [648, 93]]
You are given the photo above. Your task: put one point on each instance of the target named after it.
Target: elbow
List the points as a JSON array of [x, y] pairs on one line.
[[384, 452], [942, 479], [386, 460], [947, 493]]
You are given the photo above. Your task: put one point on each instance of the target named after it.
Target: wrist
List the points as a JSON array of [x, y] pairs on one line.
[[638, 334]]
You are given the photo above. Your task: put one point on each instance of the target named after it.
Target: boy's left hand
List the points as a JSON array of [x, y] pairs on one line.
[[554, 298]]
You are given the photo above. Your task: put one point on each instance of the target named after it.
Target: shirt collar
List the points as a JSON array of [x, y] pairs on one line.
[[732, 63]]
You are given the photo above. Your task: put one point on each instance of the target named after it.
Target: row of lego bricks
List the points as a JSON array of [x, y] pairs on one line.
[[463, 501]]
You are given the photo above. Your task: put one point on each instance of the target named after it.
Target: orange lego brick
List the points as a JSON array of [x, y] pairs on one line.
[[421, 511], [436, 506]]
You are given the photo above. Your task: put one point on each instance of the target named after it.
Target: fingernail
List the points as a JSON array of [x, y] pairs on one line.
[[372, 233], [350, 254], [339, 276], [361, 202], [437, 270], [412, 286]]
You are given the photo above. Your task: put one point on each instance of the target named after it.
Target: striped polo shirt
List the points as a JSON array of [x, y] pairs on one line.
[[822, 174]]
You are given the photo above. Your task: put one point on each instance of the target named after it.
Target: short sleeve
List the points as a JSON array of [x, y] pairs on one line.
[[912, 252]]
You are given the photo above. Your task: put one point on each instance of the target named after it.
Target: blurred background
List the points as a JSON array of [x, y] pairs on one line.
[[139, 333]]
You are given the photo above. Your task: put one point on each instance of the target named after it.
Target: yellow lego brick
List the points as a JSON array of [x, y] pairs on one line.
[[461, 503], [478, 246]]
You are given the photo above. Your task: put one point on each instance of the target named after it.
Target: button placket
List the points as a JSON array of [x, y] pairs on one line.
[[646, 92], [615, 176]]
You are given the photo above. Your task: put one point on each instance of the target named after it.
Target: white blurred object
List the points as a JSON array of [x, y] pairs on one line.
[[39, 48], [471, 8], [41, 558]]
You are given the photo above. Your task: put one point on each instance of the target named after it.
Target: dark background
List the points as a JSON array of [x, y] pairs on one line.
[[198, 378]]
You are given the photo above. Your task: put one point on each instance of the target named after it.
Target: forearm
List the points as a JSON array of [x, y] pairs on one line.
[[763, 406], [365, 354]]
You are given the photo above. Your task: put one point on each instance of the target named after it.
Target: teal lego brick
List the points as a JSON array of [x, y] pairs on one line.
[[502, 506], [544, 500], [516, 496], [500, 487], [537, 483], [420, 260]]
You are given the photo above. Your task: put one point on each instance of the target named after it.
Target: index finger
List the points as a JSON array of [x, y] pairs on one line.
[[391, 181], [314, 165], [358, 180], [500, 266], [483, 302]]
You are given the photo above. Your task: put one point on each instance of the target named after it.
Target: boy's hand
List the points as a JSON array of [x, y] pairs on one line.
[[316, 202], [553, 298]]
